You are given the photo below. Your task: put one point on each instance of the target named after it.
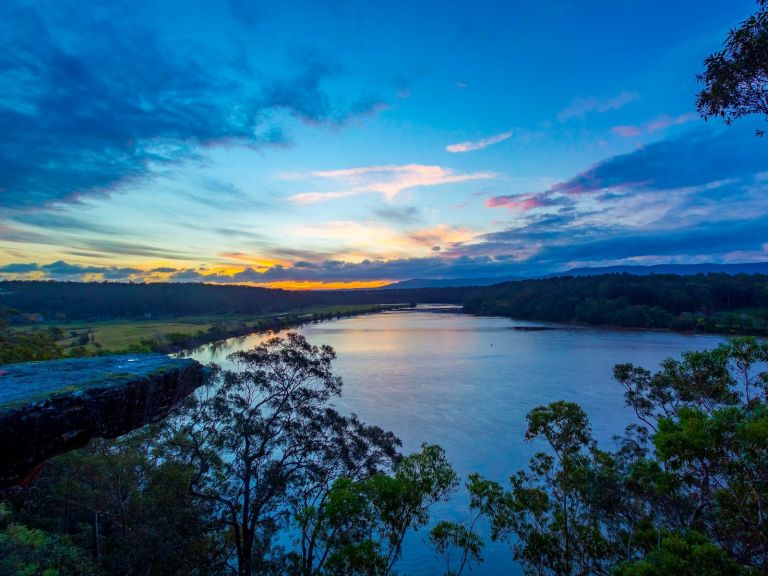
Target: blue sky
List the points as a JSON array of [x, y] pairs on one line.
[[310, 144]]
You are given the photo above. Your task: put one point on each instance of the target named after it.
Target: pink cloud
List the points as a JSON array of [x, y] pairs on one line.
[[471, 145], [664, 122], [627, 131], [580, 107], [519, 203], [660, 123], [584, 183]]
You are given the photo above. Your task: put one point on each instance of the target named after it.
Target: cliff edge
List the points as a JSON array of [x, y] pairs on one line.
[[48, 408]]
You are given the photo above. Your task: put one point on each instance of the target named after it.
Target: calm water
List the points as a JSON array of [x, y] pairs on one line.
[[467, 382]]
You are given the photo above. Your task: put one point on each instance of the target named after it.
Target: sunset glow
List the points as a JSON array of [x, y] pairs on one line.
[[351, 148]]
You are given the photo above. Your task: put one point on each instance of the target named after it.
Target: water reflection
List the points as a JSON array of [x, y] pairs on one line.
[[467, 382]]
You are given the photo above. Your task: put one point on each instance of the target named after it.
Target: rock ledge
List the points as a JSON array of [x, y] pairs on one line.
[[47, 408]]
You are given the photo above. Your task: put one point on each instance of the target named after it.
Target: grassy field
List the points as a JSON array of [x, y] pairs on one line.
[[120, 334]]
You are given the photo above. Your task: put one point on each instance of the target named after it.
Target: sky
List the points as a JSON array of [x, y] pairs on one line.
[[341, 144]]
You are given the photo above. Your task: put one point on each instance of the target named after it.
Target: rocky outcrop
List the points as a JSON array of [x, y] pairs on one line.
[[47, 408]]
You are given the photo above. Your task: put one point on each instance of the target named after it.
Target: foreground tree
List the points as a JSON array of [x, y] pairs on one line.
[[125, 506], [257, 475], [30, 551], [364, 523], [686, 492], [736, 78], [271, 455]]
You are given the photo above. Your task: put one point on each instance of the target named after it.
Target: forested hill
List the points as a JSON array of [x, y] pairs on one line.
[[93, 300], [712, 302]]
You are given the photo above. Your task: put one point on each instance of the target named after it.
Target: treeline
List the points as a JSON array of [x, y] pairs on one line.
[[711, 303], [707, 303], [104, 300]]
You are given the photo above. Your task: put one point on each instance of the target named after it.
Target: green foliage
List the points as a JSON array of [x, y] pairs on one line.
[[21, 347], [736, 78], [451, 538], [706, 303], [32, 552], [257, 475], [269, 453], [109, 300], [684, 552], [124, 503], [362, 524], [685, 493]]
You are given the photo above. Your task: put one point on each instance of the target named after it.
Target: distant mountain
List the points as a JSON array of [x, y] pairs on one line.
[[448, 282], [679, 269]]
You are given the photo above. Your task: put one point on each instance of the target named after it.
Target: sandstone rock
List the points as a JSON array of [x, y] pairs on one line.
[[47, 408]]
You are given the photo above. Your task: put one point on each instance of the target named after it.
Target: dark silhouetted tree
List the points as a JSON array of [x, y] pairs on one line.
[[736, 78]]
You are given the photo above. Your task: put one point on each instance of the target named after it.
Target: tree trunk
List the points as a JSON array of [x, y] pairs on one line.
[[95, 535]]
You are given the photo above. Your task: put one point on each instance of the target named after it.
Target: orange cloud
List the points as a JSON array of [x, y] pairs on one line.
[[319, 285], [370, 239], [250, 259]]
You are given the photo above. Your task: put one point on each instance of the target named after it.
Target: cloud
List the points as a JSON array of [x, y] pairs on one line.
[[386, 180], [359, 240], [693, 159], [19, 268], [433, 266], [91, 103], [303, 97], [627, 131], [134, 249], [312, 197], [61, 222], [223, 195], [656, 125], [665, 121], [521, 202], [699, 195], [581, 106], [404, 215], [13, 234], [62, 270], [471, 145]]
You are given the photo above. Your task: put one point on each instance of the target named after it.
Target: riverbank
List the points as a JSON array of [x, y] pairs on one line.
[[173, 334]]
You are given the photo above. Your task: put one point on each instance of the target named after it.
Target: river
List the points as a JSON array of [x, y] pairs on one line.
[[466, 383]]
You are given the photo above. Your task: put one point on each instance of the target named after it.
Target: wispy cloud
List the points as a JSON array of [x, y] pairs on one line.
[[582, 106], [521, 202], [361, 240], [112, 97], [396, 215], [470, 145], [627, 131], [656, 125], [386, 180]]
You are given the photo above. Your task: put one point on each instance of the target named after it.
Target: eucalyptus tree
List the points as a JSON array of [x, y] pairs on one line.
[[298, 487], [736, 78], [686, 491]]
